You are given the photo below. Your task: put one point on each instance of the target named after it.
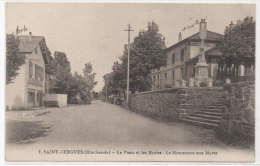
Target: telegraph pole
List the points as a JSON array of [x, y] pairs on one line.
[[106, 91], [128, 53]]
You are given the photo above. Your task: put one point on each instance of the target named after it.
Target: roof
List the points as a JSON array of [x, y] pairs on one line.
[[209, 53], [213, 51], [27, 46], [211, 36]]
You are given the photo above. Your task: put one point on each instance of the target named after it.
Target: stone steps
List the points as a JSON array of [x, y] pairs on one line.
[[208, 117], [204, 119], [209, 113], [202, 124], [212, 110], [215, 105], [201, 115]]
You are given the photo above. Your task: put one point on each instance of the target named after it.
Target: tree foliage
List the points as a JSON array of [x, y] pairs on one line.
[[14, 59], [89, 76], [63, 81], [86, 83], [60, 73], [238, 46], [146, 52]]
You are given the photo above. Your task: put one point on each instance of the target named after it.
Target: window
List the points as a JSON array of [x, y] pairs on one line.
[[35, 73], [30, 69], [165, 83], [173, 58], [182, 73], [41, 73], [193, 72], [182, 55], [158, 77], [38, 72], [173, 75]]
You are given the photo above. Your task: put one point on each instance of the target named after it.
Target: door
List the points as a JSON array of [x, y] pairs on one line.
[[39, 98], [31, 98]]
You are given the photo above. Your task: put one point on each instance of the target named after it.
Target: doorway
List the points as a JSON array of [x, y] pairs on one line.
[[39, 98]]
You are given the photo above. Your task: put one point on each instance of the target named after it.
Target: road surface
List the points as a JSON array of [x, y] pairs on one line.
[[102, 126]]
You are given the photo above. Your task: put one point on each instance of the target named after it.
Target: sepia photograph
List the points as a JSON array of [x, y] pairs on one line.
[[150, 82]]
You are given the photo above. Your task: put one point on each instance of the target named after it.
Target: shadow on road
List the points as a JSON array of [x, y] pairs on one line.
[[44, 113], [23, 132]]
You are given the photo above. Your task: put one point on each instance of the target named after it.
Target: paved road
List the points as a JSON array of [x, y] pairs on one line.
[[102, 126]]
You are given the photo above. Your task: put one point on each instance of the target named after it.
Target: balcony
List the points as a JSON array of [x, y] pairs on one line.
[[35, 82]]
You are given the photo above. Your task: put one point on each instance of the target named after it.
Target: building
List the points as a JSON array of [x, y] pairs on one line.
[[28, 89], [183, 56]]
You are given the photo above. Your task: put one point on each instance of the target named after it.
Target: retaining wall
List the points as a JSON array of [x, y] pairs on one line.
[[175, 103], [238, 118]]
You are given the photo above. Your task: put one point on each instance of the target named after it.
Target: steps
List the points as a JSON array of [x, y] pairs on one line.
[[208, 117]]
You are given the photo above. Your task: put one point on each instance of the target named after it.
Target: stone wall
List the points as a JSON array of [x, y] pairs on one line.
[[164, 103], [174, 103], [238, 119]]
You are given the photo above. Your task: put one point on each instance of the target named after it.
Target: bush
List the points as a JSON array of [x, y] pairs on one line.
[[75, 100], [168, 86], [203, 84]]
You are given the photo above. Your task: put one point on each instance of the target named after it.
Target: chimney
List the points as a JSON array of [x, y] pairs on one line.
[[30, 36], [180, 37], [203, 29]]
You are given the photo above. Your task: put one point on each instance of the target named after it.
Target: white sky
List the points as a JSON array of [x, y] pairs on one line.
[[95, 31]]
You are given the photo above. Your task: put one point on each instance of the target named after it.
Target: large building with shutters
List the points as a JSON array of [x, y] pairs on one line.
[[183, 56], [27, 90]]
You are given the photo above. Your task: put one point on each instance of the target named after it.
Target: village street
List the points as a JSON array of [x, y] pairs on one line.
[[102, 126]]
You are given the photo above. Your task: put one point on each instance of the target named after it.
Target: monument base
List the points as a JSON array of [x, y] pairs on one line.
[[201, 74]]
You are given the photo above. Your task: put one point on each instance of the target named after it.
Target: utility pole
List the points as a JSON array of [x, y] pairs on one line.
[[106, 91], [128, 53]]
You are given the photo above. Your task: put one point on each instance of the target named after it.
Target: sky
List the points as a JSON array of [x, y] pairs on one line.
[[94, 32]]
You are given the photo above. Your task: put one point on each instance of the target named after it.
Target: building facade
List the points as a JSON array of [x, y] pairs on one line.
[[183, 56], [28, 89]]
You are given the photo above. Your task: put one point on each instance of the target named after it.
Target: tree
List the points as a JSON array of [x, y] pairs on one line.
[[89, 83], [82, 85], [238, 46], [89, 76], [95, 95], [14, 59], [63, 81], [61, 75], [146, 52]]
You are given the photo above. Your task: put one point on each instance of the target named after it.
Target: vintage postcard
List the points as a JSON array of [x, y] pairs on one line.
[[130, 82]]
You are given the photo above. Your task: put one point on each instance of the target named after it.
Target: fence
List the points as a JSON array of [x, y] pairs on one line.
[[234, 73]]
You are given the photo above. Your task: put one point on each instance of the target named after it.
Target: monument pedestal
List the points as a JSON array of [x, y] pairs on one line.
[[201, 74]]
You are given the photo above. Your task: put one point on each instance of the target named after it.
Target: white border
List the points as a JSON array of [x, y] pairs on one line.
[[2, 81], [2, 86]]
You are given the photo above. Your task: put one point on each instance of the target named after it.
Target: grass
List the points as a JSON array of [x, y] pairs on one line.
[[25, 132]]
